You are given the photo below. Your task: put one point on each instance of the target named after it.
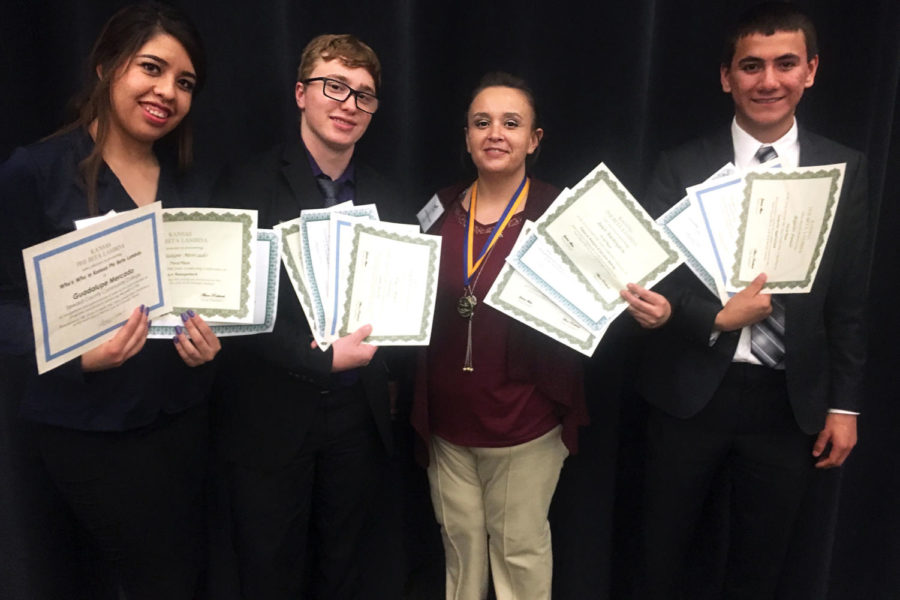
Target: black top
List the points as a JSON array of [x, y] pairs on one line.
[[40, 198]]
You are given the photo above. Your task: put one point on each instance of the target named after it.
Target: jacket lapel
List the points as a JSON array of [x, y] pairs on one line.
[[793, 303], [296, 170], [718, 151], [811, 154]]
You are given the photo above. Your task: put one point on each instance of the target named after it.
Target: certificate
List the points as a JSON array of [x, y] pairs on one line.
[[315, 228], [601, 233], [339, 256], [340, 246], [785, 220], [685, 226], [84, 285], [719, 201], [265, 306], [392, 284], [290, 256], [559, 283], [515, 296], [82, 223], [211, 262]]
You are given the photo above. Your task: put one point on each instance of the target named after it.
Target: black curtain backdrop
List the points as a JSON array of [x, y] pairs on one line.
[[616, 81]]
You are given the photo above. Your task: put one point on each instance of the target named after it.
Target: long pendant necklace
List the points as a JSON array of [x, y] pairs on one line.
[[468, 301]]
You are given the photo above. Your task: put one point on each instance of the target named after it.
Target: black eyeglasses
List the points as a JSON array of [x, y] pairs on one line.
[[340, 91]]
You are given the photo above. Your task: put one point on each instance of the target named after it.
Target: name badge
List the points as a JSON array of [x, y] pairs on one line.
[[430, 213]]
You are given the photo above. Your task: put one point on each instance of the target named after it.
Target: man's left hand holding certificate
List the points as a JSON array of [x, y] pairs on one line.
[[84, 285]]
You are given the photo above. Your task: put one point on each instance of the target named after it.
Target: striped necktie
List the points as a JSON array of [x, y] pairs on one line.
[[767, 336], [765, 153]]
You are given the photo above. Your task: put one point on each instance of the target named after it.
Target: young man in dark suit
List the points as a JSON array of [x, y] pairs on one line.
[[718, 401], [306, 432]]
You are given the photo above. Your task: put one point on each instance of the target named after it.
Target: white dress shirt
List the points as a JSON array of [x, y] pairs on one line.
[[745, 148]]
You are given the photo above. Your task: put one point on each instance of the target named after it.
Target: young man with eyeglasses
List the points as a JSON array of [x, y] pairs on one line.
[[306, 432], [765, 388]]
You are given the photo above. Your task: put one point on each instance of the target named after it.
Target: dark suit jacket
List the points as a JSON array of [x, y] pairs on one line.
[[41, 198], [270, 383], [824, 333]]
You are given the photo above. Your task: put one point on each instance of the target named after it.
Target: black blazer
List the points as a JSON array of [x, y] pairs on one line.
[[41, 198], [825, 335], [268, 383]]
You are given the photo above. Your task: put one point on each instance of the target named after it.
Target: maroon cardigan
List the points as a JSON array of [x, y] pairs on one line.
[[555, 369]]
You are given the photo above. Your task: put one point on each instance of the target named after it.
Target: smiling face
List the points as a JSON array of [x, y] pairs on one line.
[[766, 79], [152, 92], [326, 123], [500, 131]]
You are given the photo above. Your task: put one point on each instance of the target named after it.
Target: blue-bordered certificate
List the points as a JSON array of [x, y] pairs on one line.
[[83, 285]]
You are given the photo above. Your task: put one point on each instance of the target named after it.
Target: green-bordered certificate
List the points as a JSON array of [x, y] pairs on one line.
[[265, 305], [515, 296], [604, 237], [785, 220], [211, 262], [290, 255], [391, 284]]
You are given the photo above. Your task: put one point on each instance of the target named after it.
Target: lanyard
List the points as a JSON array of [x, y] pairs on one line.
[[469, 268]]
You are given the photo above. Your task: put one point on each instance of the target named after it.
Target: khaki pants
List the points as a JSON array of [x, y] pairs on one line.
[[494, 502]]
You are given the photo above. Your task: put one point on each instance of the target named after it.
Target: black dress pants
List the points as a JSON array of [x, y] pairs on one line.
[[139, 496], [319, 502], [748, 429]]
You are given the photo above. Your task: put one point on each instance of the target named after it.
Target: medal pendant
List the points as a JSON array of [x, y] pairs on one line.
[[465, 306]]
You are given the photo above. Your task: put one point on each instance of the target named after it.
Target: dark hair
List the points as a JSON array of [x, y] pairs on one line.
[[121, 37], [347, 48], [767, 18], [503, 79]]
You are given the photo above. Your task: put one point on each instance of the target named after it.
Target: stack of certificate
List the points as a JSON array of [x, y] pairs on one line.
[[564, 275], [771, 220], [221, 266], [84, 285], [349, 269]]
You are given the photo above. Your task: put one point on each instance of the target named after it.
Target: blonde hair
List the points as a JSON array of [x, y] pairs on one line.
[[345, 47]]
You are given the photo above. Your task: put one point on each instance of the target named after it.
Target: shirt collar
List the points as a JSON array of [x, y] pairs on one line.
[[346, 178], [745, 147]]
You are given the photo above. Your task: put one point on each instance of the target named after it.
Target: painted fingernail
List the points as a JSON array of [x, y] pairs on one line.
[[175, 339], [179, 330], [147, 310], [149, 323], [184, 316], [192, 314], [142, 308]]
